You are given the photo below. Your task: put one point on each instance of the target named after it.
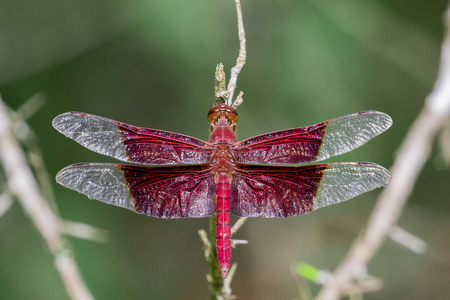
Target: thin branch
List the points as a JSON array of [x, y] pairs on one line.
[[240, 62], [6, 202], [216, 283], [239, 100], [84, 231], [30, 107], [204, 238], [411, 158], [227, 293], [408, 240], [235, 242], [26, 136], [444, 143], [23, 185], [215, 274], [368, 284], [237, 225]]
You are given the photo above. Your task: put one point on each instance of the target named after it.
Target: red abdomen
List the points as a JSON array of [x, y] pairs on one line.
[[223, 241]]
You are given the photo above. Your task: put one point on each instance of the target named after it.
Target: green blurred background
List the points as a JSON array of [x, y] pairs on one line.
[[151, 63]]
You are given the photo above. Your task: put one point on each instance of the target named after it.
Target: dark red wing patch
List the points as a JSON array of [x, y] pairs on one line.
[[290, 146], [130, 143], [277, 191], [151, 146], [313, 143], [164, 192], [274, 192], [172, 192]]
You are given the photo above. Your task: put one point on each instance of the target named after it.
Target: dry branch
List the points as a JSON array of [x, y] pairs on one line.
[[220, 288], [23, 185], [410, 160], [240, 62]]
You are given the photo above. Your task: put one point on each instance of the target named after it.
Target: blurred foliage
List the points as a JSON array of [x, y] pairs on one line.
[[151, 63]]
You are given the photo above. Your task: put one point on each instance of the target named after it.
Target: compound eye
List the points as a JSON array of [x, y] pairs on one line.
[[232, 115], [222, 110], [213, 115]]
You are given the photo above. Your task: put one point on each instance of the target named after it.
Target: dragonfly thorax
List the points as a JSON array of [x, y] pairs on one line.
[[222, 134]]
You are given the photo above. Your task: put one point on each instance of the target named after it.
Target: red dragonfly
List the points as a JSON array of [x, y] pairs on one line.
[[184, 177]]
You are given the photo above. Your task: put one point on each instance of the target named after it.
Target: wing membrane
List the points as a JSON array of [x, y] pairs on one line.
[[313, 143], [164, 192], [278, 191], [132, 144]]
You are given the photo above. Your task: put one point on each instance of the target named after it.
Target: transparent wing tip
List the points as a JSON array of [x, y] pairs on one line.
[[381, 175], [385, 121], [344, 181], [63, 121], [67, 175]]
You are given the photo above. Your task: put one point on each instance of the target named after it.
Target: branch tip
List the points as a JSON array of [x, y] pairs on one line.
[[242, 57]]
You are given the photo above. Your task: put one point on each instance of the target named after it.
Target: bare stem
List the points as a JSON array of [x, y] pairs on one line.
[[23, 185], [216, 283], [216, 280], [240, 62], [411, 158], [239, 100], [408, 240], [227, 282], [85, 231]]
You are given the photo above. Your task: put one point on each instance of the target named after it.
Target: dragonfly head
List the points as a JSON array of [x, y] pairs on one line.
[[222, 115]]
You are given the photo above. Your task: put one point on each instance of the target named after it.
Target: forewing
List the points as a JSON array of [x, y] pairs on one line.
[[313, 143], [277, 191], [164, 192], [130, 143]]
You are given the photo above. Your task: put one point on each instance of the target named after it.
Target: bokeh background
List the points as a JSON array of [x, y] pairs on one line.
[[151, 63]]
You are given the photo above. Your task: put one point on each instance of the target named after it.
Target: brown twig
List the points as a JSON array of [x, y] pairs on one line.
[[240, 62], [411, 157], [23, 185]]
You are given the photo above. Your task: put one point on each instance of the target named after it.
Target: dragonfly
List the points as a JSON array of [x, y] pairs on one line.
[[178, 176]]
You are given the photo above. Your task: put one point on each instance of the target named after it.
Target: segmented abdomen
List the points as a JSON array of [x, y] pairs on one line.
[[223, 237]]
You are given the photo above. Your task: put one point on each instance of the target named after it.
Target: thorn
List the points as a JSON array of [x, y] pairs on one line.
[[235, 242]]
